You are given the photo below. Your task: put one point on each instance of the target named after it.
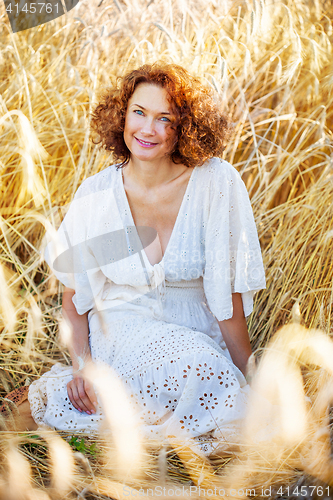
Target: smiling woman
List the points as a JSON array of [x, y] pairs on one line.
[[202, 129], [169, 318]]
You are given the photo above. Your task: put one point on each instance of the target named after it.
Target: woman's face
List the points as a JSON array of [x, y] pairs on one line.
[[150, 124]]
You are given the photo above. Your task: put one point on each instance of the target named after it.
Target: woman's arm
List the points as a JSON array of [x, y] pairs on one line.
[[80, 391], [236, 335], [79, 349]]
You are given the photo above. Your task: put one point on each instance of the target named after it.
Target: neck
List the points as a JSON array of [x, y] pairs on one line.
[[151, 175]]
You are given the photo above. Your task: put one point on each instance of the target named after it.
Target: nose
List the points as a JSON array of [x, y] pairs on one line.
[[148, 127]]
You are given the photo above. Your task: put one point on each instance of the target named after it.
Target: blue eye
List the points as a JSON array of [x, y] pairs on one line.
[[138, 111], [165, 118]]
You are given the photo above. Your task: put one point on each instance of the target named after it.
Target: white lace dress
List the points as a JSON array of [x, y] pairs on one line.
[[156, 325]]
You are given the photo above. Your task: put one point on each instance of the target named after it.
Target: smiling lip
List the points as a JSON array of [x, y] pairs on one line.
[[146, 144]]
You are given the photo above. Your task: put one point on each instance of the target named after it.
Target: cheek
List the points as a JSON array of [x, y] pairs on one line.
[[132, 122], [128, 130], [172, 137], [128, 125], [170, 133]]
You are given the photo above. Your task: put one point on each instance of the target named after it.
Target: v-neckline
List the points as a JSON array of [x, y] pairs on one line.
[[177, 218]]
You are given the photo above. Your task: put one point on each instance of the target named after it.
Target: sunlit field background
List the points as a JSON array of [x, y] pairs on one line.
[[272, 62]]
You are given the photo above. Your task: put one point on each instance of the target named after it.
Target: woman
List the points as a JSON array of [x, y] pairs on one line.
[[167, 315]]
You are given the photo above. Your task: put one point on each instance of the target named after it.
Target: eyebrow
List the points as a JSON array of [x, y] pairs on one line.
[[163, 112]]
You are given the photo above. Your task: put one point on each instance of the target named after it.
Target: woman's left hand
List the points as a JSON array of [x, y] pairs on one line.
[[81, 393]]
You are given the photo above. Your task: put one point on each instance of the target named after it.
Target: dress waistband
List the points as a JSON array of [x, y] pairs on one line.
[[180, 290], [195, 283], [185, 293]]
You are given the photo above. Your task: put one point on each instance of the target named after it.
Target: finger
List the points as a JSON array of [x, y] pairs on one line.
[[86, 405], [74, 397], [91, 395], [71, 397], [78, 390], [84, 390]]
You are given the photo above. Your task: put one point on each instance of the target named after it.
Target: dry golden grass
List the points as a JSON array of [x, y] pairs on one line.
[[272, 62]]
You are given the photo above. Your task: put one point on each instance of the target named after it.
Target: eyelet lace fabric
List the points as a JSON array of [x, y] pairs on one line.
[[156, 325]]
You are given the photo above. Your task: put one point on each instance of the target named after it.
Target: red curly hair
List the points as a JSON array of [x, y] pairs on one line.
[[202, 127]]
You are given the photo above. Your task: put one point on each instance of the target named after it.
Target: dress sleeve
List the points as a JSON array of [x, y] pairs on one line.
[[233, 260], [68, 255]]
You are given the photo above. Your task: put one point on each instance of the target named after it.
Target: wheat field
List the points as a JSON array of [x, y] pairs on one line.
[[272, 62]]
